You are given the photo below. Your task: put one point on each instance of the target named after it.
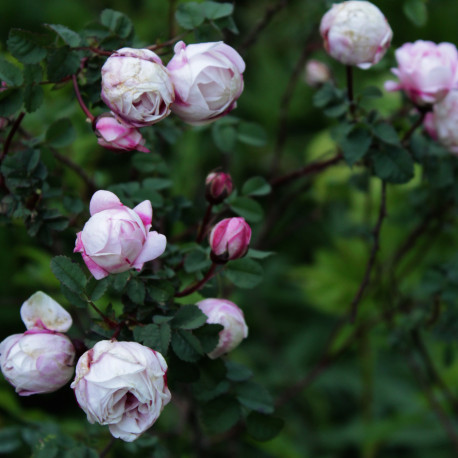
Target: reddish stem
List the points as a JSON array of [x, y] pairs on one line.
[[203, 227], [199, 284], [9, 139], [112, 324], [80, 99]]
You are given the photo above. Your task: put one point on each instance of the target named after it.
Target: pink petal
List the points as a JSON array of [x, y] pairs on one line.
[[103, 200], [94, 268], [145, 212], [154, 246]]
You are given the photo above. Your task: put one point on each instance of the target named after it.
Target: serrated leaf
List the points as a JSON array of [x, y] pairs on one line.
[[95, 289], [186, 346], [60, 133], [251, 134], [154, 336], [393, 164], [263, 427], [224, 135], [33, 98], [119, 281], [26, 46], [161, 291], [189, 15], [69, 273], [220, 414], [237, 372], [208, 336], [136, 291], [214, 10], [248, 208], [69, 36], [356, 144], [10, 74], [196, 261], [189, 317], [11, 101], [386, 133], [61, 63], [256, 186], [244, 273], [117, 22], [255, 397], [72, 297]]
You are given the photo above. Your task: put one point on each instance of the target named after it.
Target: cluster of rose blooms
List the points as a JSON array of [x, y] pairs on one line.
[[200, 84]]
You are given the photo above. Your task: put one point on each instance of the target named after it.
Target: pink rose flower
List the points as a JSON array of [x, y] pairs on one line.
[[38, 361], [230, 239], [115, 134], [123, 385], [136, 86], [208, 80], [356, 33], [218, 186], [426, 71], [226, 313], [117, 238], [445, 121], [316, 73]]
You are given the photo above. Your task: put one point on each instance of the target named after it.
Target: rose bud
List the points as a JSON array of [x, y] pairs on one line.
[[116, 238], [136, 86], [42, 311], [226, 313], [445, 119], [123, 385], [115, 134], [356, 33], [38, 361], [426, 71], [208, 80], [230, 239], [316, 73], [218, 186]]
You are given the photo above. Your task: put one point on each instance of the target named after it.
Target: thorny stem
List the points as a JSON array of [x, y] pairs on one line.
[[199, 284], [80, 99], [203, 227], [372, 256]]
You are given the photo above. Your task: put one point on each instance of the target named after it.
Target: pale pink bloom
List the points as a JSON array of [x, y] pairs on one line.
[[218, 186], [230, 239], [115, 134], [429, 124], [38, 361], [123, 385], [356, 33], [316, 73], [427, 71], [446, 121], [42, 311], [117, 238], [226, 313], [208, 80], [136, 86]]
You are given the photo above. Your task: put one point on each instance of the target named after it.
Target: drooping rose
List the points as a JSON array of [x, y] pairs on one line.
[[136, 86], [427, 71], [117, 238], [208, 80], [356, 33], [226, 313], [37, 361], [117, 135], [230, 239], [123, 385]]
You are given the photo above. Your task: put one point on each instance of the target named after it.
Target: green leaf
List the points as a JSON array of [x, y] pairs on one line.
[[372, 92], [356, 144], [208, 336], [186, 346], [46, 447], [393, 164], [61, 63], [256, 186], [189, 317], [255, 397], [416, 11], [119, 281], [33, 98], [69, 36], [95, 289], [195, 261], [190, 15], [251, 133], [386, 133], [26, 46], [74, 298], [10, 101], [157, 184], [69, 273], [10, 439], [258, 254], [136, 291], [220, 414], [214, 10], [325, 95], [244, 273], [9, 73], [145, 163], [60, 133], [117, 22], [263, 427], [161, 291], [248, 208], [154, 336], [33, 73], [237, 372], [224, 134]]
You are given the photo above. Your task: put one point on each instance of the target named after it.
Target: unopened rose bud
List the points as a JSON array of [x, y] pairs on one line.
[[117, 238], [316, 73], [427, 71], [123, 385], [445, 117], [226, 313], [356, 33], [218, 186], [208, 80], [38, 361], [42, 311], [230, 239], [136, 86], [115, 134]]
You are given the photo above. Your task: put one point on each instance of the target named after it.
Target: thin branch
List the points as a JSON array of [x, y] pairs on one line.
[[164, 44], [351, 98], [80, 99], [11, 133], [415, 125], [191, 289], [372, 256], [110, 323], [204, 225], [309, 169], [107, 448]]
